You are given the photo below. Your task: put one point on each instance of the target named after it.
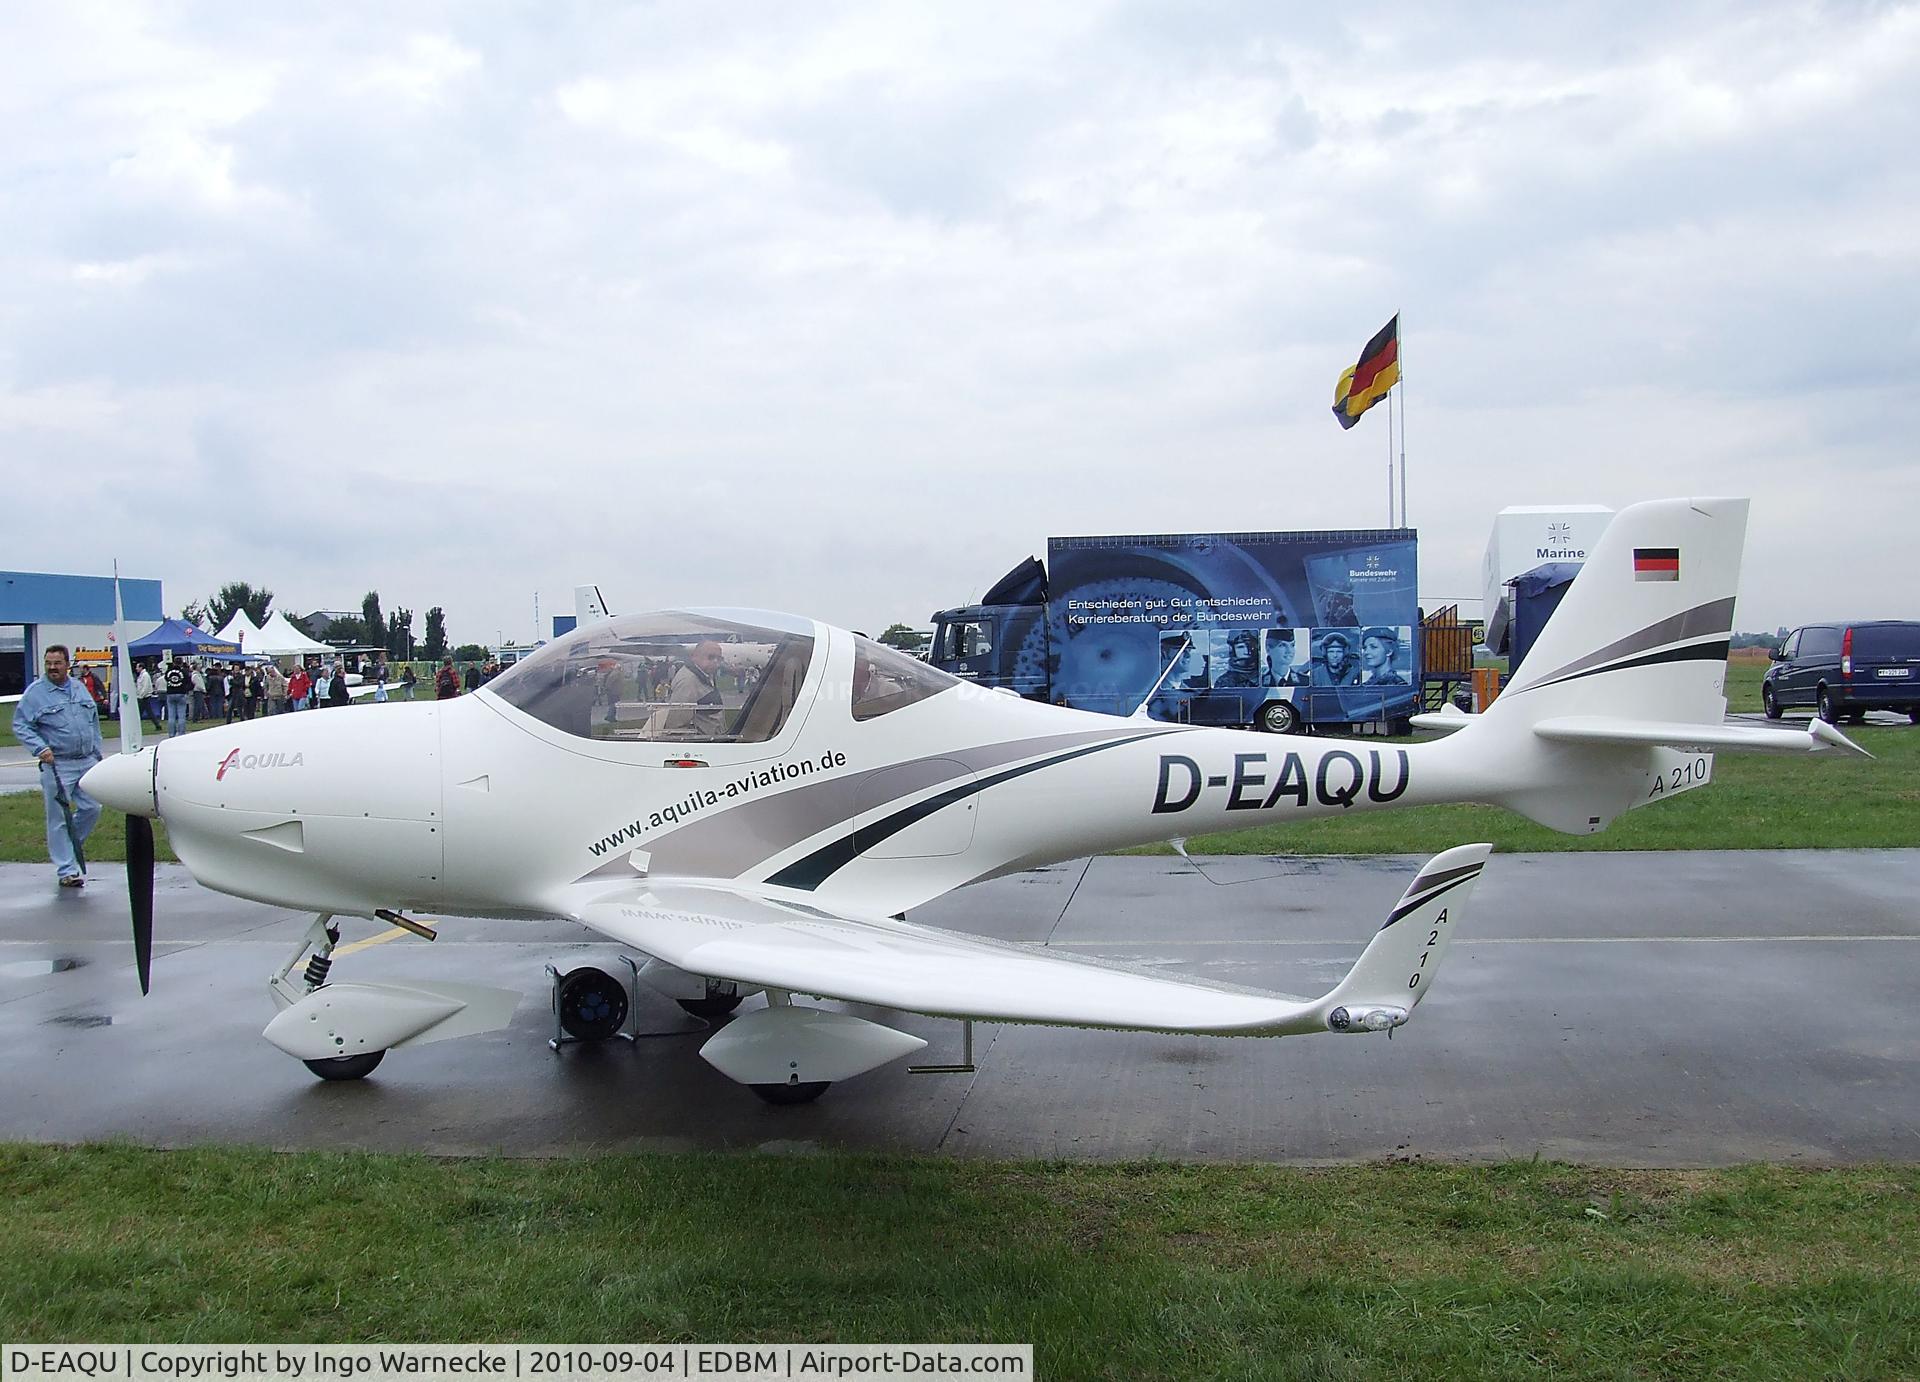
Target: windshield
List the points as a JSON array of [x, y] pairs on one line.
[[885, 679], [675, 677]]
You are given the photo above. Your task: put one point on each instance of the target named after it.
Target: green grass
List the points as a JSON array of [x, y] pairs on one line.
[[1138, 1270], [23, 834]]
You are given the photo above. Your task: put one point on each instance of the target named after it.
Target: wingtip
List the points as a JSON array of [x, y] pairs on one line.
[[1826, 734], [1460, 856]]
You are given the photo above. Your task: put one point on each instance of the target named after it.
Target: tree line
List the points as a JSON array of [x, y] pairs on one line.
[[393, 632]]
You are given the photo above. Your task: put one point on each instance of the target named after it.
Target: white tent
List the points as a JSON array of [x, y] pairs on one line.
[[241, 630], [278, 638]]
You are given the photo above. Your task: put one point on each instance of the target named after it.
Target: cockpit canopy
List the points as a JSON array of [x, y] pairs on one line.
[[673, 676], [704, 678]]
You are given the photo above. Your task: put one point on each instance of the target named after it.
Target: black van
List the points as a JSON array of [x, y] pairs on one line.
[[1845, 670]]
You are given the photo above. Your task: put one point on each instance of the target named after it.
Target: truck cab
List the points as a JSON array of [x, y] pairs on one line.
[[984, 644], [1002, 641]]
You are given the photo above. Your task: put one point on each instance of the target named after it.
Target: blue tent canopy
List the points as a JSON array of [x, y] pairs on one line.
[[182, 639]]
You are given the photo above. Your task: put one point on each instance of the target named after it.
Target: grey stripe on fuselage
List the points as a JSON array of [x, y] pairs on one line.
[[730, 841], [1714, 617]]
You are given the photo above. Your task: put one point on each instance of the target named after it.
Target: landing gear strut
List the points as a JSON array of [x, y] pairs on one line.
[[342, 1031], [321, 938]]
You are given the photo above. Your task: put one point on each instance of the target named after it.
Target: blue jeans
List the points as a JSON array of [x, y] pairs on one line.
[[176, 713], [85, 812]]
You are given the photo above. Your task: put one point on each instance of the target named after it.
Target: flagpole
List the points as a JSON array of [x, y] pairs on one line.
[[1402, 357], [1389, 463]]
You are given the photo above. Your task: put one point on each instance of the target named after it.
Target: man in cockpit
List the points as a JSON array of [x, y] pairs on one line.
[[694, 704]]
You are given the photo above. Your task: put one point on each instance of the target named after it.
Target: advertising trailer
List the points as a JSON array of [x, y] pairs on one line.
[[1278, 631]]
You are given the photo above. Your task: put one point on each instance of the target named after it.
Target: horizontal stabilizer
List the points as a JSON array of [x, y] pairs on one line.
[[1447, 717], [1603, 729]]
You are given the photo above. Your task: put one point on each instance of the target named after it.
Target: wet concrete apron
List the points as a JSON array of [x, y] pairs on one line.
[[1623, 1009]]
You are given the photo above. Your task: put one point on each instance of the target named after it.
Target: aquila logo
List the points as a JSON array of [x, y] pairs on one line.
[[235, 759]]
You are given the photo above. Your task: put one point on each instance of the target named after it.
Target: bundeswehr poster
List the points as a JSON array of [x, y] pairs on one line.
[[1324, 619]]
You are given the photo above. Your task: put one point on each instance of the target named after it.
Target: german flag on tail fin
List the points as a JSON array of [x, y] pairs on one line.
[[1368, 381]]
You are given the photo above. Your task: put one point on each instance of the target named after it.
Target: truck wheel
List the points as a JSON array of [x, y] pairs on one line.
[[1768, 703], [1277, 717], [1825, 706]]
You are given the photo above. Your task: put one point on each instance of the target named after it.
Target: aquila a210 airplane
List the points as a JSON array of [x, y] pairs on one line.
[[764, 829]]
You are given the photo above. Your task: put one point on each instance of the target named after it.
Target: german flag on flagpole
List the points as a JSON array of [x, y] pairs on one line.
[[1368, 381]]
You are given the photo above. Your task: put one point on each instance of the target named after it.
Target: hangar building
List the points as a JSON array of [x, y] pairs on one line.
[[38, 608]]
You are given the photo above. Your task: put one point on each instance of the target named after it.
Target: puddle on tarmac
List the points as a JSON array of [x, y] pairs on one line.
[[33, 969], [80, 1020]]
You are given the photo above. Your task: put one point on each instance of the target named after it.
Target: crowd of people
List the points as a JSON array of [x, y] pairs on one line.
[[174, 693]]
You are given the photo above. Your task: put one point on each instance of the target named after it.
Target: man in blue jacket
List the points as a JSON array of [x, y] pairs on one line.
[[57, 722]]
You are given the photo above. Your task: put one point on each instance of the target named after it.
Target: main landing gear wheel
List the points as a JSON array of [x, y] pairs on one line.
[[791, 1093], [593, 1004], [714, 1005], [345, 1067], [1768, 703], [1278, 717]]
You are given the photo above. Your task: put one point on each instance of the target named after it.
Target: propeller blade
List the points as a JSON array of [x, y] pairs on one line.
[[140, 893]]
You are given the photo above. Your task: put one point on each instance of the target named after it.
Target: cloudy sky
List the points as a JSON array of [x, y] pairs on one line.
[[845, 309]]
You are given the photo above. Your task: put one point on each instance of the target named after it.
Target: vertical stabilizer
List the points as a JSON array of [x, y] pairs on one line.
[[1639, 641], [1643, 632], [588, 607]]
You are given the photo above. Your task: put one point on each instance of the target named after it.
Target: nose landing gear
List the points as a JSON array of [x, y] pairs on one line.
[[343, 1031]]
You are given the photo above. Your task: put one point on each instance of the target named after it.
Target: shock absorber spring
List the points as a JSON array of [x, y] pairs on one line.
[[317, 968]]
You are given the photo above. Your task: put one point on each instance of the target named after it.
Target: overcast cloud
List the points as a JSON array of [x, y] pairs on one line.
[[845, 309]]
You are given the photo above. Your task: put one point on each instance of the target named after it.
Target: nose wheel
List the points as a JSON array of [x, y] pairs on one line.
[[356, 1067]]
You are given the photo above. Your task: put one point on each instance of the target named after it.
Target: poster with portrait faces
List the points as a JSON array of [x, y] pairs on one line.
[[1225, 622]]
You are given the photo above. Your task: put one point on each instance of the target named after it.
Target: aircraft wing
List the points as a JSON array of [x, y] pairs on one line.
[[760, 938]]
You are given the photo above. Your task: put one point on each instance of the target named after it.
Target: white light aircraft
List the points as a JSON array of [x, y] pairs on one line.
[[763, 830]]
